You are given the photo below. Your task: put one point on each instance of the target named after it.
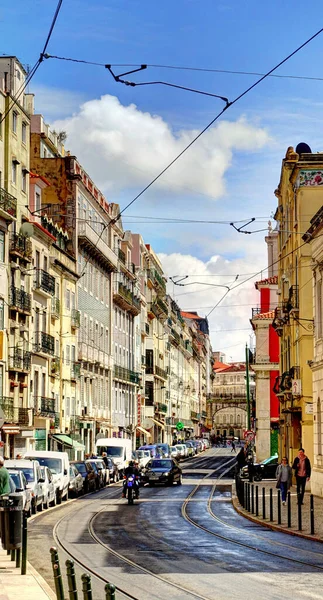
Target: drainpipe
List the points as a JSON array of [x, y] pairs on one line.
[[61, 355]]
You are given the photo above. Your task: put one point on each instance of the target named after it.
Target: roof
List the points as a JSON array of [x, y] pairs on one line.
[[219, 366], [190, 315], [268, 281], [266, 315], [36, 176], [232, 368]]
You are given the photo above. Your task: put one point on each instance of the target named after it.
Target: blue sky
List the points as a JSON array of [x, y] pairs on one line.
[[229, 175]]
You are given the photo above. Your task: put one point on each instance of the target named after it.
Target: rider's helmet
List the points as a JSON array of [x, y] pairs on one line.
[[131, 463]]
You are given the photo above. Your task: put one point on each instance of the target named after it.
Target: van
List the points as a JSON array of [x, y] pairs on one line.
[[32, 473], [59, 464], [119, 449]]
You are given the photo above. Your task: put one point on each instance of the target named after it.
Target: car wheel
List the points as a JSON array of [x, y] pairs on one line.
[[28, 512], [34, 507], [40, 506], [58, 497], [45, 504], [53, 502], [179, 482]]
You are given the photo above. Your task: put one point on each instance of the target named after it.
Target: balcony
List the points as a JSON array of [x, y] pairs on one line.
[[20, 361], [256, 311], [194, 416], [8, 205], [54, 365], [125, 298], [44, 283], [44, 407], [19, 300], [157, 279], [97, 247], [176, 338], [55, 309], [44, 343], [75, 370], [280, 319], [293, 299], [75, 318], [221, 395], [122, 256], [160, 373], [12, 413], [149, 370], [20, 246], [126, 374], [159, 308], [204, 414], [188, 347], [161, 408]]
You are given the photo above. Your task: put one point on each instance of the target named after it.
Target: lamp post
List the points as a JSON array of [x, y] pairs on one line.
[[248, 389]]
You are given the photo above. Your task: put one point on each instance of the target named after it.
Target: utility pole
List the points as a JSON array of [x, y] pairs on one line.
[[248, 389]]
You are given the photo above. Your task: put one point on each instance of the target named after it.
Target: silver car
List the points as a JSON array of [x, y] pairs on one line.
[[76, 482], [21, 488], [48, 487]]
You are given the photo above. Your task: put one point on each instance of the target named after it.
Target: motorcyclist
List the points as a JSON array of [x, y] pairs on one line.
[[131, 469]]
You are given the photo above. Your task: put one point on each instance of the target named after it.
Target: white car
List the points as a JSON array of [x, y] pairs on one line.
[[143, 457], [48, 487], [31, 470], [182, 449], [22, 489]]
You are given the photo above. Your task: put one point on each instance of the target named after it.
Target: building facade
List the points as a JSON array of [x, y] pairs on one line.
[[228, 400]]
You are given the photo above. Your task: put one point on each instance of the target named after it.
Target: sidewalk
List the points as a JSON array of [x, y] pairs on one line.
[[293, 530], [14, 586]]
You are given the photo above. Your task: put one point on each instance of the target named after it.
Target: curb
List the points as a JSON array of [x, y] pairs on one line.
[[41, 582], [237, 507]]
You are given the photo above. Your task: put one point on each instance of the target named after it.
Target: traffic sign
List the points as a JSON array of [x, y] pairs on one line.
[[249, 435], [179, 426]]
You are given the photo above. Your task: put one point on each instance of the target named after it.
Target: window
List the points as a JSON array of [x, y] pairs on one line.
[[2, 246], [24, 133], [37, 202], [68, 299], [14, 172], [14, 121], [1, 318], [24, 180], [68, 355]]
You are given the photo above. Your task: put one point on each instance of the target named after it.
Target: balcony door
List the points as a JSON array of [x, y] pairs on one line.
[[36, 388]]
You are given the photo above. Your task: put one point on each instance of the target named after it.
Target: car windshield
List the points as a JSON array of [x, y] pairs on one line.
[[43, 472], [81, 467], [161, 464], [112, 451], [270, 460], [28, 473], [16, 479], [140, 454], [54, 464], [12, 484], [173, 449]]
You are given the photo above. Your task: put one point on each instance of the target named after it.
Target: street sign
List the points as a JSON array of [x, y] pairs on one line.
[[147, 423], [180, 426], [249, 435], [297, 387]]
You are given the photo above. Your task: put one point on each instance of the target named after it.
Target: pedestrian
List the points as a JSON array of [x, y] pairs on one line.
[[302, 468], [284, 478], [4, 478], [18, 456], [105, 459], [241, 460], [233, 449]]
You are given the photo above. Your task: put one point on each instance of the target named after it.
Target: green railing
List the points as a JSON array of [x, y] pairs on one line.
[[160, 372], [161, 408], [75, 318], [8, 203], [55, 307], [75, 370], [126, 374], [188, 347]]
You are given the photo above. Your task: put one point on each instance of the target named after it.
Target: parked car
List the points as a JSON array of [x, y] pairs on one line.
[[197, 446], [182, 449], [163, 450], [58, 463], [104, 471], [21, 488], [99, 482], [142, 456], [190, 448], [163, 470], [264, 470], [48, 487], [175, 453], [88, 474], [75, 487], [32, 473], [113, 470]]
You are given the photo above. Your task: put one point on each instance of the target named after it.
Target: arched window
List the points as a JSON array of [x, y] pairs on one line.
[[231, 419], [239, 419]]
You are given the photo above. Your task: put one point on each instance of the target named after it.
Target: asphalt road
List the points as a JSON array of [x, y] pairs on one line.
[[178, 543]]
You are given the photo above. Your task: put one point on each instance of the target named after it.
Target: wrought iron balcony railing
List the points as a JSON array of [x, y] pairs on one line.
[[256, 311], [175, 335], [75, 370], [161, 408], [20, 360], [45, 407], [43, 342], [122, 256], [160, 372], [75, 318], [156, 278], [8, 203], [293, 298], [55, 308], [45, 282], [21, 245], [126, 374], [19, 300], [13, 413]]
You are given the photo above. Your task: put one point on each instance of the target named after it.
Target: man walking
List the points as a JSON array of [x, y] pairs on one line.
[[4, 478], [233, 449], [302, 468]]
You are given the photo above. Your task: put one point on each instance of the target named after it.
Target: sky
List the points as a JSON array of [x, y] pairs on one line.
[[124, 136]]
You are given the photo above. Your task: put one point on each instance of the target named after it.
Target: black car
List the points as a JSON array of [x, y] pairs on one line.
[[88, 474], [99, 476], [163, 470], [264, 470]]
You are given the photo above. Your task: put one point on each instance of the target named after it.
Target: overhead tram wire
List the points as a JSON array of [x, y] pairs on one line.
[[224, 109], [36, 65]]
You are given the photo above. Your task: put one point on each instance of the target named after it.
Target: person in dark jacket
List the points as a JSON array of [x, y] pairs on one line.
[[302, 468], [241, 460], [132, 469]]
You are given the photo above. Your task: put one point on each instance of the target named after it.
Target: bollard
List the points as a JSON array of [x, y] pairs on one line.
[[257, 502], [110, 591], [71, 580], [299, 511], [86, 586], [312, 513], [279, 509], [13, 555], [18, 558], [57, 574], [24, 544], [271, 511], [252, 499], [289, 511], [263, 503], [8, 552], [248, 497], [244, 495]]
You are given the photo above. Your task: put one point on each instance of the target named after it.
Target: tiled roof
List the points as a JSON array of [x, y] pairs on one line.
[[36, 176], [268, 281], [266, 315], [189, 315], [219, 366]]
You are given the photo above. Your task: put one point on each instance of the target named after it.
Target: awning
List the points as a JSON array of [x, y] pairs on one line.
[[67, 441], [159, 423], [144, 431], [10, 429]]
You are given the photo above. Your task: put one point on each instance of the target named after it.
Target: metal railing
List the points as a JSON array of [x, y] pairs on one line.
[[160, 372], [44, 281], [8, 203], [156, 278], [161, 408], [122, 256], [13, 413], [126, 374], [256, 311], [75, 370], [21, 245], [75, 318], [175, 335], [44, 406], [20, 299], [44, 343], [55, 309], [20, 360], [54, 365]]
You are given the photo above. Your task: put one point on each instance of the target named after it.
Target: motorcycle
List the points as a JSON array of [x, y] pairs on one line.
[[130, 491]]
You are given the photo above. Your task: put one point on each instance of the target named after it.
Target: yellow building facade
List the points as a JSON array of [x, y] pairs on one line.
[[299, 197]]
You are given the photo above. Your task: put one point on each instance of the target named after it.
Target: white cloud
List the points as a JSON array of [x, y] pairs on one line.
[[123, 147], [229, 322]]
